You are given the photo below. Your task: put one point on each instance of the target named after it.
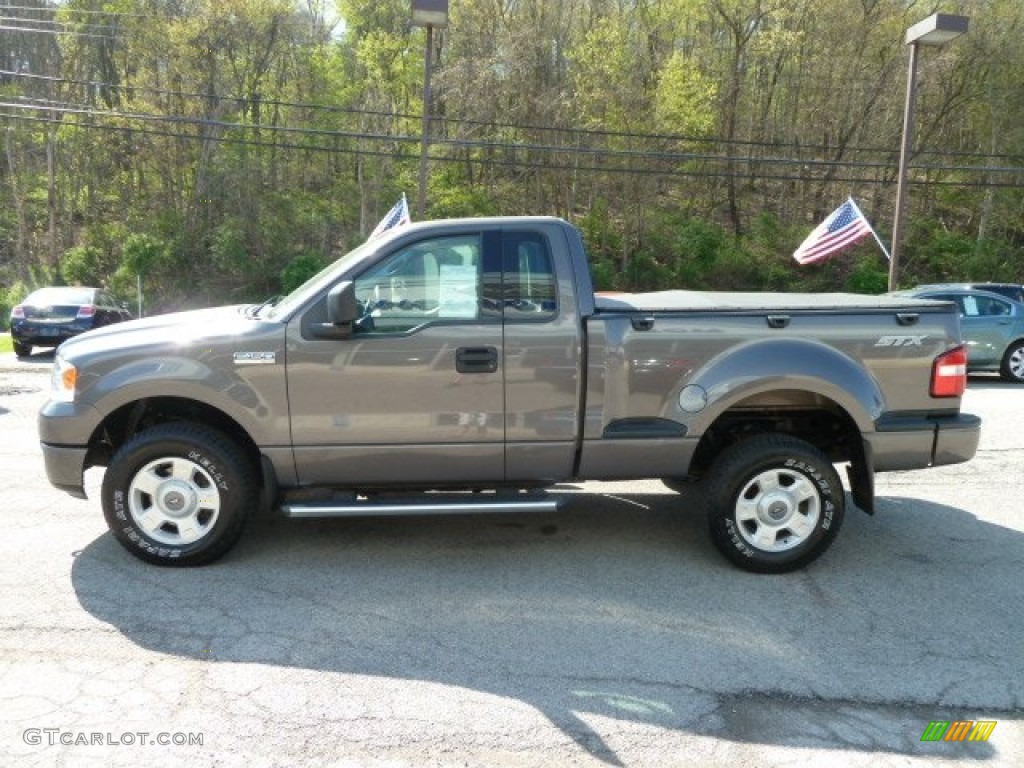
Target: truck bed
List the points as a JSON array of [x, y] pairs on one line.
[[682, 301]]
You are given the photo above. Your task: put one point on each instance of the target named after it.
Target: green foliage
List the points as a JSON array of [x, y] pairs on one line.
[[86, 265], [300, 269], [222, 144], [946, 256], [142, 253], [868, 276], [228, 249], [450, 198], [10, 297], [685, 97]]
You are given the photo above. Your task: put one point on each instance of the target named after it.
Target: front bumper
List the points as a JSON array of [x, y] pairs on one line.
[[65, 430], [916, 442], [65, 467]]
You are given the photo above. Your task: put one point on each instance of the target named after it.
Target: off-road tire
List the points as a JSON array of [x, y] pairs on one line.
[[775, 503], [179, 494]]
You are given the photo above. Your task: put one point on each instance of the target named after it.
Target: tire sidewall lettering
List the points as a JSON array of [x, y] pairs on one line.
[[230, 474], [737, 540], [729, 478], [211, 467]]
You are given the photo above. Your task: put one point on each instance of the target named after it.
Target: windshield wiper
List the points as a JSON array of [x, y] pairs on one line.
[[253, 310]]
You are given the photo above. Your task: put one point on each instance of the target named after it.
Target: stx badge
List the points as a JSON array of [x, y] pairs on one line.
[[900, 341]]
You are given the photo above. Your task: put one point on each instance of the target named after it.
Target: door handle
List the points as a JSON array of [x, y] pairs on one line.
[[476, 359]]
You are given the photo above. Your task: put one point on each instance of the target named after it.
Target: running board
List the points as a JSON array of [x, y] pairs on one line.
[[370, 508]]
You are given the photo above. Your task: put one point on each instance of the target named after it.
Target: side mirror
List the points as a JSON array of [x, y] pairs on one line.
[[342, 307], [342, 312]]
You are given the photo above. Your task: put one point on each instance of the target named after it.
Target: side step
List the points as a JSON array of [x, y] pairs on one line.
[[425, 504]]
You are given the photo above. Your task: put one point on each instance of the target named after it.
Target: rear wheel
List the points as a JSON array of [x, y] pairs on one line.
[[775, 503], [22, 350], [1012, 367], [179, 494]]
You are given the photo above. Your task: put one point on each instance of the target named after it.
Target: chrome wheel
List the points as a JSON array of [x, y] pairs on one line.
[[775, 503], [174, 501], [777, 510], [1014, 363]]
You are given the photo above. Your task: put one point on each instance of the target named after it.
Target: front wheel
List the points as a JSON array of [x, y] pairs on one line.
[[1012, 367], [775, 503], [178, 494]]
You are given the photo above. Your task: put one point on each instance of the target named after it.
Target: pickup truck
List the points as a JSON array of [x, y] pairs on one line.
[[468, 366]]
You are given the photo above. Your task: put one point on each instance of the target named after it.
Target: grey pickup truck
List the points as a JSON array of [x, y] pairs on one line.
[[467, 366]]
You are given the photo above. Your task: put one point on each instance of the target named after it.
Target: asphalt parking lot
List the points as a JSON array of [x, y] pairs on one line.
[[611, 634]]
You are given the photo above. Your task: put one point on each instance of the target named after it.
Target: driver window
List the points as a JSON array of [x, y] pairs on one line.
[[433, 280]]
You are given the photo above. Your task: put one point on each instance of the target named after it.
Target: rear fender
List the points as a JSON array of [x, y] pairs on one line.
[[758, 368]]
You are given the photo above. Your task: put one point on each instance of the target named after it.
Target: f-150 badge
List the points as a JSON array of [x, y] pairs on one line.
[[255, 358]]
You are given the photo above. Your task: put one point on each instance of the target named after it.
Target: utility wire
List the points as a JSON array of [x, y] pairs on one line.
[[508, 163], [484, 144], [577, 133]]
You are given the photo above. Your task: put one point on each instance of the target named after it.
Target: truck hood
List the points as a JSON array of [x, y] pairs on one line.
[[179, 329]]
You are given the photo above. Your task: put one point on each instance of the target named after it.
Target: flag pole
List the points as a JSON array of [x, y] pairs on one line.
[[877, 238]]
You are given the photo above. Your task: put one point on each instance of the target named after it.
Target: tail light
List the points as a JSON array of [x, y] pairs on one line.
[[86, 311], [949, 373], [18, 313]]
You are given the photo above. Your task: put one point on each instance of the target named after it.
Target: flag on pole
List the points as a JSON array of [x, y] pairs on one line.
[[845, 226], [398, 216]]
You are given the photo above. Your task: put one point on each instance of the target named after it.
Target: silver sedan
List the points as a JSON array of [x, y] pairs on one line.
[[992, 326]]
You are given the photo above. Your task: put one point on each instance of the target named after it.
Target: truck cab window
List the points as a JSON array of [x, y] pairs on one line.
[[431, 281], [529, 280]]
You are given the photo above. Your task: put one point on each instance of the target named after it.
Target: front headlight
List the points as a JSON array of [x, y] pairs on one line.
[[63, 378]]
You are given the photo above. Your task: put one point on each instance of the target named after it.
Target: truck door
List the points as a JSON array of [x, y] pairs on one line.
[[416, 395], [543, 358]]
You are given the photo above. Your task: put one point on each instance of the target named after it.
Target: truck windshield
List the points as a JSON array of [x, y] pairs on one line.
[[318, 282]]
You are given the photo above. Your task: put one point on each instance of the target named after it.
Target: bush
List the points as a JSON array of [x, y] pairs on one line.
[[300, 269], [8, 299], [85, 265]]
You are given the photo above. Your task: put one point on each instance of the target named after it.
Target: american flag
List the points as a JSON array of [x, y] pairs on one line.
[[845, 226], [398, 216]]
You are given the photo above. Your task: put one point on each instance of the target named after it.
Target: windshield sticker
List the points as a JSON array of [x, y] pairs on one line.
[[458, 291]]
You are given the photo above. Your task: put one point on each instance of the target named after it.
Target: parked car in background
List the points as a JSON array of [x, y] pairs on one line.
[[51, 315], [1013, 291], [992, 326]]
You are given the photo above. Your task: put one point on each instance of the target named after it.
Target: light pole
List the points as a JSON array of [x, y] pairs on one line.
[[937, 29], [429, 14]]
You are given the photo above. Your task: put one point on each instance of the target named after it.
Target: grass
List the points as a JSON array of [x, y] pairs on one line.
[[6, 345]]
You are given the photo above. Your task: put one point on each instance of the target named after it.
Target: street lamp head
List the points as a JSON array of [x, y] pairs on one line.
[[430, 13], [937, 29]]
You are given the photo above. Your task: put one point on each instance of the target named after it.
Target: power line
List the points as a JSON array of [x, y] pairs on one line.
[[518, 164], [486, 144], [53, 23], [10, 28], [578, 133], [82, 11]]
